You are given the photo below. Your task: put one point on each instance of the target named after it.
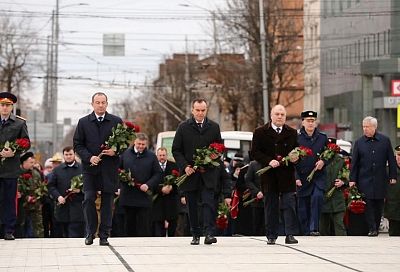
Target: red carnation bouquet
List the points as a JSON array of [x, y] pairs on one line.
[[300, 151], [32, 189], [121, 137], [344, 175], [222, 217], [356, 204], [19, 145], [168, 180], [203, 158], [330, 151]]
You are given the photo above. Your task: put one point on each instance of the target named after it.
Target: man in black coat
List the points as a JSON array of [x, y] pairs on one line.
[[99, 173], [136, 200], [68, 211], [165, 206], [371, 154], [198, 132], [278, 184], [12, 127]]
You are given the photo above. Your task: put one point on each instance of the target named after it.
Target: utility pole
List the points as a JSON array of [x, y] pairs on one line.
[[54, 89], [263, 62], [187, 78]]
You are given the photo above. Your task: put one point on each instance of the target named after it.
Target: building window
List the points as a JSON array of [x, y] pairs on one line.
[[348, 3]]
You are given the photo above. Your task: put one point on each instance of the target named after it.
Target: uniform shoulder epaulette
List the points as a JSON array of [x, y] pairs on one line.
[[19, 117], [323, 133]]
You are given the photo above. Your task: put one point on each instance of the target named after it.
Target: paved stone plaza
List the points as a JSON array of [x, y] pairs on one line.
[[229, 254]]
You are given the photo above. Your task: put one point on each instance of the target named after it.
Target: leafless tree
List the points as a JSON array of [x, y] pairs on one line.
[[240, 23], [18, 44]]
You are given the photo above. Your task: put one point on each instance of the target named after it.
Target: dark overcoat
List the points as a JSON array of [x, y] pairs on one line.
[[145, 169], [267, 144], [370, 157], [188, 138], [59, 183], [88, 138]]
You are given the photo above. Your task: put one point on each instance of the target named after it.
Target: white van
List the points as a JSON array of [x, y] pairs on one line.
[[234, 141]]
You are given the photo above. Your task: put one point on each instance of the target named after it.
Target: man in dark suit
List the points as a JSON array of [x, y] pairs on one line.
[[135, 200], [278, 185], [12, 127], [68, 212], [99, 173], [371, 154], [165, 207], [198, 132]]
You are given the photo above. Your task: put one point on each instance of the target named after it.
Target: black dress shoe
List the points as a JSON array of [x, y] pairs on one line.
[[290, 240], [195, 240], [373, 233], [9, 236], [89, 240], [271, 241], [104, 242], [210, 240]]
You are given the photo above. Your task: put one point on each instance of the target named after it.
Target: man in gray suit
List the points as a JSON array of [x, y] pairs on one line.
[[100, 173]]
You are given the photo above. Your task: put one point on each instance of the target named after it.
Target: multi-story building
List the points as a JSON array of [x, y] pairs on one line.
[[351, 63]]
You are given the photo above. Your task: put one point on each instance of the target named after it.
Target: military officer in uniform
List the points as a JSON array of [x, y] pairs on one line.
[[311, 193], [12, 127]]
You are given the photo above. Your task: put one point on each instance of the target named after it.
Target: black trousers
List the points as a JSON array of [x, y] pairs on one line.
[[272, 208], [373, 213], [90, 213], [206, 199], [137, 221], [159, 229], [9, 190]]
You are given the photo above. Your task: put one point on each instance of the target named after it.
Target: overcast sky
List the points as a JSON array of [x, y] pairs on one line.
[[154, 29]]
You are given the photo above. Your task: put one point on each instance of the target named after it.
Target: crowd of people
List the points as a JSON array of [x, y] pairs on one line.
[[292, 183]]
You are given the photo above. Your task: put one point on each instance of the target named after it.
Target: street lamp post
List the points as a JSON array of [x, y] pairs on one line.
[[263, 62]]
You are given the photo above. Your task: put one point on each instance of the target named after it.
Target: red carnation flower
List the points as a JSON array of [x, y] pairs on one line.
[[307, 150], [129, 125], [175, 173], [334, 147], [219, 147], [137, 128], [23, 143], [26, 176]]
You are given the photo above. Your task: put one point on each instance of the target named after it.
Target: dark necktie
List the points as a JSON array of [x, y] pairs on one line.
[[278, 130], [163, 166], [200, 125], [3, 122], [100, 118]]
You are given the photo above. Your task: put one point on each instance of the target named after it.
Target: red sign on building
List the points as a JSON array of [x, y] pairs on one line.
[[395, 87]]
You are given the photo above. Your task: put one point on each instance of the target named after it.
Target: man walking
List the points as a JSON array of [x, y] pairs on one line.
[[371, 154], [12, 127], [198, 132], [273, 140], [99, 173]]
